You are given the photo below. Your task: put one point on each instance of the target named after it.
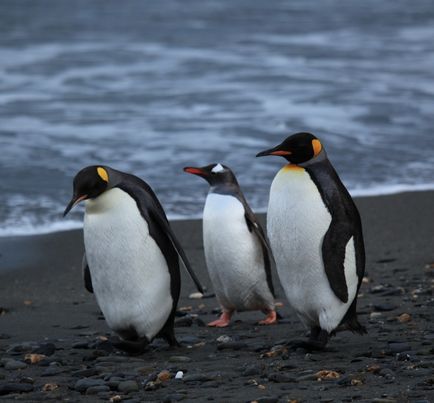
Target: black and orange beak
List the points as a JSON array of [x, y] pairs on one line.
[[274, 151], [196, 171], [74, 201]]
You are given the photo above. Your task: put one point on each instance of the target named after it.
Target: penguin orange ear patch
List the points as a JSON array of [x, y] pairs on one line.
[[317, 147], [102, 174]]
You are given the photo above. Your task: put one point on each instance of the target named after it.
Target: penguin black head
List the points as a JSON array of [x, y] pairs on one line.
[[214, 174], [89, 183], [297, 148]]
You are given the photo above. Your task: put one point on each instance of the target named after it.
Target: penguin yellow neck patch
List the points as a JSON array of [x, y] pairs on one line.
[[102, 174], [292, 167], [317, 147]]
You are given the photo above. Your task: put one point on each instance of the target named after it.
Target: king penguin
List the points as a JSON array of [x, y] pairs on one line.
[[316, 237], [131, 256], [236, 250]]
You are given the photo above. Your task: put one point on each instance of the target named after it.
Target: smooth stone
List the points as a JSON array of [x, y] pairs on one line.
[[174, 397], [128, 386], [185, 321], [83, 345], [45, 349], [267, 399], [189, 339], [93, 390], [197, 378], [251, 370], [385, 307], [232, 345], [116, 358], [82, 384], [179, 358], [84, 373], [281, 378], [15, 365], [8, 388], [399, 347], [50, 371]]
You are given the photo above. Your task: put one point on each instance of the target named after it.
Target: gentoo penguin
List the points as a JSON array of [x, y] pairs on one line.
[[131, 255], [316, 237], [236, 251]]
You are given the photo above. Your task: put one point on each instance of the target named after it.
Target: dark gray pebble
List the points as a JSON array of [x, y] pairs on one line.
[[46, 349], [128, 386], [399, 347], [82, 384], [281, 377], [179, 358], [184, 321], [197, 378], [117, 358], [8, 388], [252, 370], [174, 397], [93, 390], [189, 339], [14, 365], [232, 345], [267, 399], [50, 371], [84, 373], [384, 307], [83, 345]]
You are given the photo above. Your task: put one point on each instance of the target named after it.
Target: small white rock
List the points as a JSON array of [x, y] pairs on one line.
[[196, 295], [179, 375], [224, 339]]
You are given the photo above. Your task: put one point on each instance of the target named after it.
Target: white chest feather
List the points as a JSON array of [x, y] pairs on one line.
[[129, 273], [233, 255], [297, 222]]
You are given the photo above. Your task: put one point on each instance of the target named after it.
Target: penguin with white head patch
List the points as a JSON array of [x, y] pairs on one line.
[[316, 236], [131, 256], [236, 251]]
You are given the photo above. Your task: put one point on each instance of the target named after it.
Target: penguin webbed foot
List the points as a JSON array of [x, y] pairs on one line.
[[223, 321], [130, 347], [317, 341], [270, 319]]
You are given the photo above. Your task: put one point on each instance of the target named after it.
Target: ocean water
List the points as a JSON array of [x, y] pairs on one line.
[[150, 87]]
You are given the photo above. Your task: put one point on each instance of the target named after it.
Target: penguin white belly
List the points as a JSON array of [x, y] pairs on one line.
[[130, 276], [234, 256], [297, 221]]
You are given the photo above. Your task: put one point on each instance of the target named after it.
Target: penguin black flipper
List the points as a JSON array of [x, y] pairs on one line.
[[345, 224], [151, 209], [86, 275], [164, 226], [253, 225]]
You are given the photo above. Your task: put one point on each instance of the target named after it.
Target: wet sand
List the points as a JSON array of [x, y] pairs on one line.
[[44, 309]]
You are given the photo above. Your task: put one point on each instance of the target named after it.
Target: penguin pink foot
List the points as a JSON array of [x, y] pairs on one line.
[[270, 319], [223, 321]]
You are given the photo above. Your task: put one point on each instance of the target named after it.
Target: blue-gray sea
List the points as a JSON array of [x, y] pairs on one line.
[[151, 86]]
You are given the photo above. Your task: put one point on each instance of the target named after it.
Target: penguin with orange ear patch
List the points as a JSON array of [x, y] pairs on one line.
[[131, 259], [316, 237]]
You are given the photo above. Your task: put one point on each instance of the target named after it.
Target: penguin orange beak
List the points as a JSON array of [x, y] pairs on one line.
[[195, 171], [274, 151], [74, 201]]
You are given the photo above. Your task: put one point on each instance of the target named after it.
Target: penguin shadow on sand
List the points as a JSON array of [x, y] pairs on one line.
[[237, 253], [131, 260]]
